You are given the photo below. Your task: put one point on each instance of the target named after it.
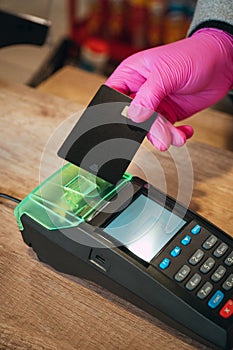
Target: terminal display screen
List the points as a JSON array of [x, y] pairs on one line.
[[145, 227]]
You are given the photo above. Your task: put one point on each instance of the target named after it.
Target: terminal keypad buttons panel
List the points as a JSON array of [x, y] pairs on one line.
[[201, 263]]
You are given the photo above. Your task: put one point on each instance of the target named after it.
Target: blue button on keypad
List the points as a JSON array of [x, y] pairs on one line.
[[186, 240], [196, 229], [164, 263], [216, 299], [176, 251]]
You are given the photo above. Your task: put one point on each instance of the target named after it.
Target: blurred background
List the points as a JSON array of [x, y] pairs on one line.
[[20, 62], [91, 34], [37, 38]]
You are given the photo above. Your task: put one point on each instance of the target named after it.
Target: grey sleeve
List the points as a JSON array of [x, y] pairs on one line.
[[213, 14]]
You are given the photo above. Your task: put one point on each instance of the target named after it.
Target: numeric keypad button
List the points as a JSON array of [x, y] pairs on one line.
[[196, 257], [193, 282], [207, 266], [229, 259], [218, 274], [221, 250], [205, 290], [228, 284], [210, 242], [182, 273]]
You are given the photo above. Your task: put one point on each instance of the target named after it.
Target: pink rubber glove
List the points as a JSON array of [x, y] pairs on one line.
[[176, 80]]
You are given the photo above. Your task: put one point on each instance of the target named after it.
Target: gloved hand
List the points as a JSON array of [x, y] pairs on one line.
[[176, 80]]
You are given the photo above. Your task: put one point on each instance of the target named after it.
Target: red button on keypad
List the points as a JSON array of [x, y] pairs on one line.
[[227, 309]]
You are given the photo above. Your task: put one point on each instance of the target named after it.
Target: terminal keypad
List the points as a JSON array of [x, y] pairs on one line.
[[202, 264]]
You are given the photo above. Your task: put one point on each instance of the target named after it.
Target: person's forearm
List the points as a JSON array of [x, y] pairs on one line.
[[213, 14]]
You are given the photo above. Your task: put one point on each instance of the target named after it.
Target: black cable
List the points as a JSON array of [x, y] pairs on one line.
[[10, 198]]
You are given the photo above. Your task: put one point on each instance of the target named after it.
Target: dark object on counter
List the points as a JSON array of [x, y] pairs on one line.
[[66, 52], [22, 29]]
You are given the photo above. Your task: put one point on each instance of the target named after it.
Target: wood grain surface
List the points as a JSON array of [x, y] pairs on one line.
[[44, 309]]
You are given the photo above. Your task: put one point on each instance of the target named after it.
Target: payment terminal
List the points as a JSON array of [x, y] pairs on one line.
[[135, 241]]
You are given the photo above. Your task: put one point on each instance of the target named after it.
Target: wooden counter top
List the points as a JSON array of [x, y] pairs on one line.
[[44, 309]]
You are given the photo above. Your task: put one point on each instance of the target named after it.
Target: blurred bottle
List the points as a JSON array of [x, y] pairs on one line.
[[94, 55], [175, 22], [154, 25], [96, 18], [115, 19], [137, 23]]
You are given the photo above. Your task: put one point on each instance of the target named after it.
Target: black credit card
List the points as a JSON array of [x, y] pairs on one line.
[[105, 140]]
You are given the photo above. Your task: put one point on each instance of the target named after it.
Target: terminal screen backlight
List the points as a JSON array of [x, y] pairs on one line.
[[145, 227]]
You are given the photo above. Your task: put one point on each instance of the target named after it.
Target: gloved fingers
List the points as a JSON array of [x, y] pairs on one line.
[[163, 134], [147, 98], [159, 135], [187, 130], [139, 113], [126, 79]]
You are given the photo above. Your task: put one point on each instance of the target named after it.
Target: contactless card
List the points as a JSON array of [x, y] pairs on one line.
[[104, 140]]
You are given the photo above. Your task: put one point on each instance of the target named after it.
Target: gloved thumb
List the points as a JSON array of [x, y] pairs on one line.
[[147, 99], [163, 134]]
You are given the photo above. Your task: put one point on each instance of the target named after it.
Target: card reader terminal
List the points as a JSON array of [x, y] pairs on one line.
[[136, 241], [177, 268]]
